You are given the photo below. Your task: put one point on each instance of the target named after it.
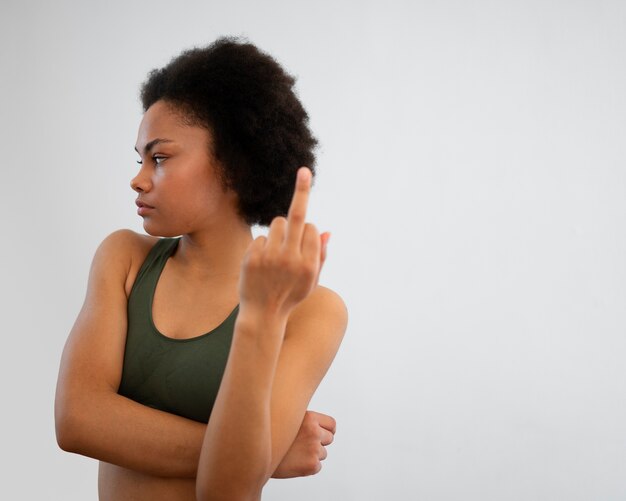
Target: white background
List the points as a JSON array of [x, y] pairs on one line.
[[471, 172]]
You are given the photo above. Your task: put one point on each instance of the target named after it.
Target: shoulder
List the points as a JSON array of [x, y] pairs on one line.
[[326, 300], [323, 313], [125, 246], [123, 251]]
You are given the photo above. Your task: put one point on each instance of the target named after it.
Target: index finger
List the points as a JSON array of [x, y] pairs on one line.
[[325, 421], [297, 210], [328, 423]]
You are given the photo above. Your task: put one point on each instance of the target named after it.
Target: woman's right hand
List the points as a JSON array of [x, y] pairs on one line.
[[281, 270]]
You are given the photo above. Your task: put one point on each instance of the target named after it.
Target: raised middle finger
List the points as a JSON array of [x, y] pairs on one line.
[[297, 210]]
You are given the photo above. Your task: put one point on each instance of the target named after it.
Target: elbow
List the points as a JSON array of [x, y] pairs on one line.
[[63, 430], [65, 426], [64, 435]]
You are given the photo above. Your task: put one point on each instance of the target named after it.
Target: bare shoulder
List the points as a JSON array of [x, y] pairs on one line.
[[323, 312], [328, 301], [125, 250]]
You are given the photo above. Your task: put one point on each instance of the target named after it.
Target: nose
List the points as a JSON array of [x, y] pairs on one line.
[[141, 182]]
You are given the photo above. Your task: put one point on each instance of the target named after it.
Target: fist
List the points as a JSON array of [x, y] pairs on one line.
[[308, 450]]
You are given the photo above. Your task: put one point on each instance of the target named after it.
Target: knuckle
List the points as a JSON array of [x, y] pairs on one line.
[[317, 468], [329, 438], [270, 260], [253, 258], [333, 423], [309, 270], [278, 221], [313, 466], [254, 262], [284, 261], [258, 244], [296, 215], [309, 421], [312, 432]]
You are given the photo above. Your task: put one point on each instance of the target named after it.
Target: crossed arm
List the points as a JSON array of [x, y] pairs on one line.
[[286, 336], [93, 420], [265, 391]]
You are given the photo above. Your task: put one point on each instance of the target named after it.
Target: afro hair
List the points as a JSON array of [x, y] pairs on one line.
[[259, 128]]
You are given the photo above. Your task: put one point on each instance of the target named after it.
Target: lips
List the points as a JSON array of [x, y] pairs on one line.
[[143, 209], [142, 204]]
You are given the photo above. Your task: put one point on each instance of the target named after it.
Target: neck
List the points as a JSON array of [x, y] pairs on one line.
[[214, 252]]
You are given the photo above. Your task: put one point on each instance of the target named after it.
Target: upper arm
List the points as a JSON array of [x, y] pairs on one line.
[[312, 337], [93, 354]]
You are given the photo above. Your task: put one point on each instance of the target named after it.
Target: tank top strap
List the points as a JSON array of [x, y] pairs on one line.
[[140, 299]]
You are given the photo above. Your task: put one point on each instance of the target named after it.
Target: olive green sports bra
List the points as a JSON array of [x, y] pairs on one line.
[[180, 376]]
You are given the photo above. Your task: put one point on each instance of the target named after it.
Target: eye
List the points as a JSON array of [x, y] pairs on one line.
[[157, 159]]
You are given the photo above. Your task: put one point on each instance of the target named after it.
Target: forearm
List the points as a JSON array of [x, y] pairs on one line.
[[237, 448], [120, 431]]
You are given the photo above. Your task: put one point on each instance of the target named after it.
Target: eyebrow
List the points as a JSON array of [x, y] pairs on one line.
[[153, 143]]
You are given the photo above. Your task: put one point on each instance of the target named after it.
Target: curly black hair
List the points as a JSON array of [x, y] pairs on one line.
[[259, 128]]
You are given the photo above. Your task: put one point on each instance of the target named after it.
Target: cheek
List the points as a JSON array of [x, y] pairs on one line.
[[199, 196], [194, 190]]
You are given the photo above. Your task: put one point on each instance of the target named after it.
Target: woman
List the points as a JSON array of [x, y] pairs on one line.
[[167, 322]]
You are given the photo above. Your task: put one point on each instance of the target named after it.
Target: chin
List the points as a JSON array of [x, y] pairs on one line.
[[155, 231]]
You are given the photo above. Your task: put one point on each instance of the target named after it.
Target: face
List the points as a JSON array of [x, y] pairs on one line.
[[178, 177]]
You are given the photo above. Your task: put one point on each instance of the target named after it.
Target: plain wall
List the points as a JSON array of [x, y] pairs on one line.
[[471, 171]]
